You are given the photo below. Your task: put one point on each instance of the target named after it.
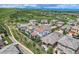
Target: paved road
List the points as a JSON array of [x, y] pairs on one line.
[[26, 50]]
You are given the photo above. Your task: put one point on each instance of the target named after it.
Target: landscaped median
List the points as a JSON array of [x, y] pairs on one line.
[[6, 38], [4, 33]]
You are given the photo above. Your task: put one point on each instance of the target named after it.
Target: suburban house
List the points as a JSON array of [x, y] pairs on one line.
[[66, 28], [36, 30], [22, 27], [72, 23], [53, 27], [42, 30], [10, 49], [68, 45], [33, 22], [53, 22], [74, 30], [60, 23], [45, 21], [51, 39]]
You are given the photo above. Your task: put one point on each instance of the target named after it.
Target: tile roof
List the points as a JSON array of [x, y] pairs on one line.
[[40, 29], [52, 38], [65, 50], [34, 33], [10, 49], [69, 42]]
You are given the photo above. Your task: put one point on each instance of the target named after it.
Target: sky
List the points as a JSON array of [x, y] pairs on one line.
[[42, 6]]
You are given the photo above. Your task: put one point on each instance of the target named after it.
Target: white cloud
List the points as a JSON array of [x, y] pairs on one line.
[[31, 5], [9, 6], [64, 6]]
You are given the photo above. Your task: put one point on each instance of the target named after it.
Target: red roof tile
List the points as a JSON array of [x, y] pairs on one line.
[[34, 33], [40, 29]]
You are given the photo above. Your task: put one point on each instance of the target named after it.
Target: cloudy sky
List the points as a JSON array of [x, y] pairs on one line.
[[42, 6]]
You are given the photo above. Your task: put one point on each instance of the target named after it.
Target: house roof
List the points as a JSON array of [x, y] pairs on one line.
[[75, 27], [60, 22], [51, 38], [43, 27], [66, 27], [10, 49], [44, 21], [40, 29], [72, 22], [65, 50], [69, 42], [32, 20], [34, 33]]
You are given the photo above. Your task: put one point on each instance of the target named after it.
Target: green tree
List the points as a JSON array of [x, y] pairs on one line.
[[50, 50]]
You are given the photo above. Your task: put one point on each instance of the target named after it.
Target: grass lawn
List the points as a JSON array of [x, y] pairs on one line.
[[6, 38]]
